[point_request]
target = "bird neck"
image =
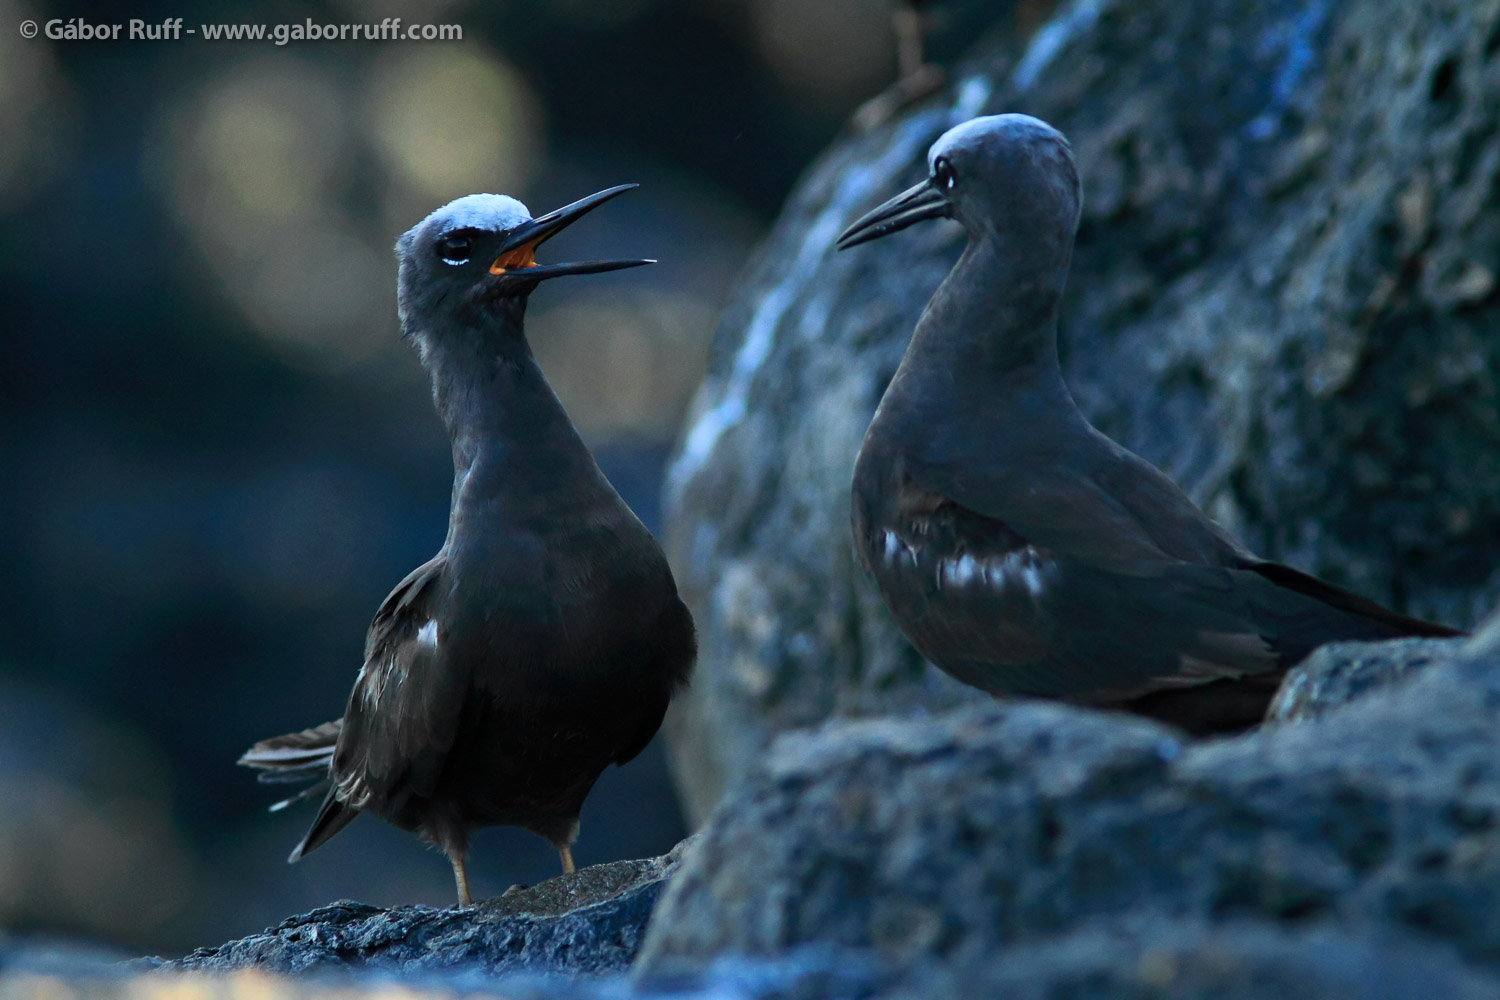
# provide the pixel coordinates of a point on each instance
(981, 371)
(995, 316)
(489, 391)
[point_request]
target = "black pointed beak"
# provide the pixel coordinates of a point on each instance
(517, 256)
(921, 201)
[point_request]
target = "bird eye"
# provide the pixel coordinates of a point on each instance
(454, 249)
(943, 173)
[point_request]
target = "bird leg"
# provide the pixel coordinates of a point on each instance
(565, 851)
(461, 879)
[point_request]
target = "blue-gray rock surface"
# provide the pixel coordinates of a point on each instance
(1341, 672)
(1040, 845)
(590, 922)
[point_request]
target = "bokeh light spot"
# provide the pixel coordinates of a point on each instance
(36, 110)
(268, 137)
(830, 51)
(451, 121)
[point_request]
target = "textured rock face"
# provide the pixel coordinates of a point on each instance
(1342, 671)
(1284, 294)
(1043, 846)
(1175, 959)
(1183, 962)
(589, 922)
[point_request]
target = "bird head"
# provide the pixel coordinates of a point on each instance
(997, 175)
(477, 255)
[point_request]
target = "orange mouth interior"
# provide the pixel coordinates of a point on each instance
(522, 256)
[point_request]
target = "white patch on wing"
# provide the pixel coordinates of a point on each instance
(1021, 568)
(427, 635)
(994, 572)
(896, 549)
(960, 572)
(892, 546)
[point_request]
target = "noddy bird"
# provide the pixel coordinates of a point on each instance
(544, 640)
(1021, 550)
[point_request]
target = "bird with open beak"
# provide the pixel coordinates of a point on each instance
(545, 639)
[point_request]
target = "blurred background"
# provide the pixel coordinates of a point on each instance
(218, 457)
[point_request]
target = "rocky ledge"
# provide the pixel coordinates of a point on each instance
(1023, 849)
(590, 922)
(1037, 850)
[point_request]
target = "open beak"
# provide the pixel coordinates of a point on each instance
(921, 201)
(518, 254)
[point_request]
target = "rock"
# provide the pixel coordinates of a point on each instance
(1282, 294)
(1025, 837)
(1185, 962)
(53, 957)
(1179, 959)
(1340, 672)
(589, 922)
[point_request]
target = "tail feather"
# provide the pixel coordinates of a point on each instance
(1380, 622)
(306, 793)
(288, 776)
(315, 739)
(295, 757)
(332, 817)
(302, 756)
(255, 757)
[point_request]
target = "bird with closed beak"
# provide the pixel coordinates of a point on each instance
(1021, 550)
(545, 639)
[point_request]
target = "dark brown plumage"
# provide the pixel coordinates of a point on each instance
(1021, 550)
(545, 639)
